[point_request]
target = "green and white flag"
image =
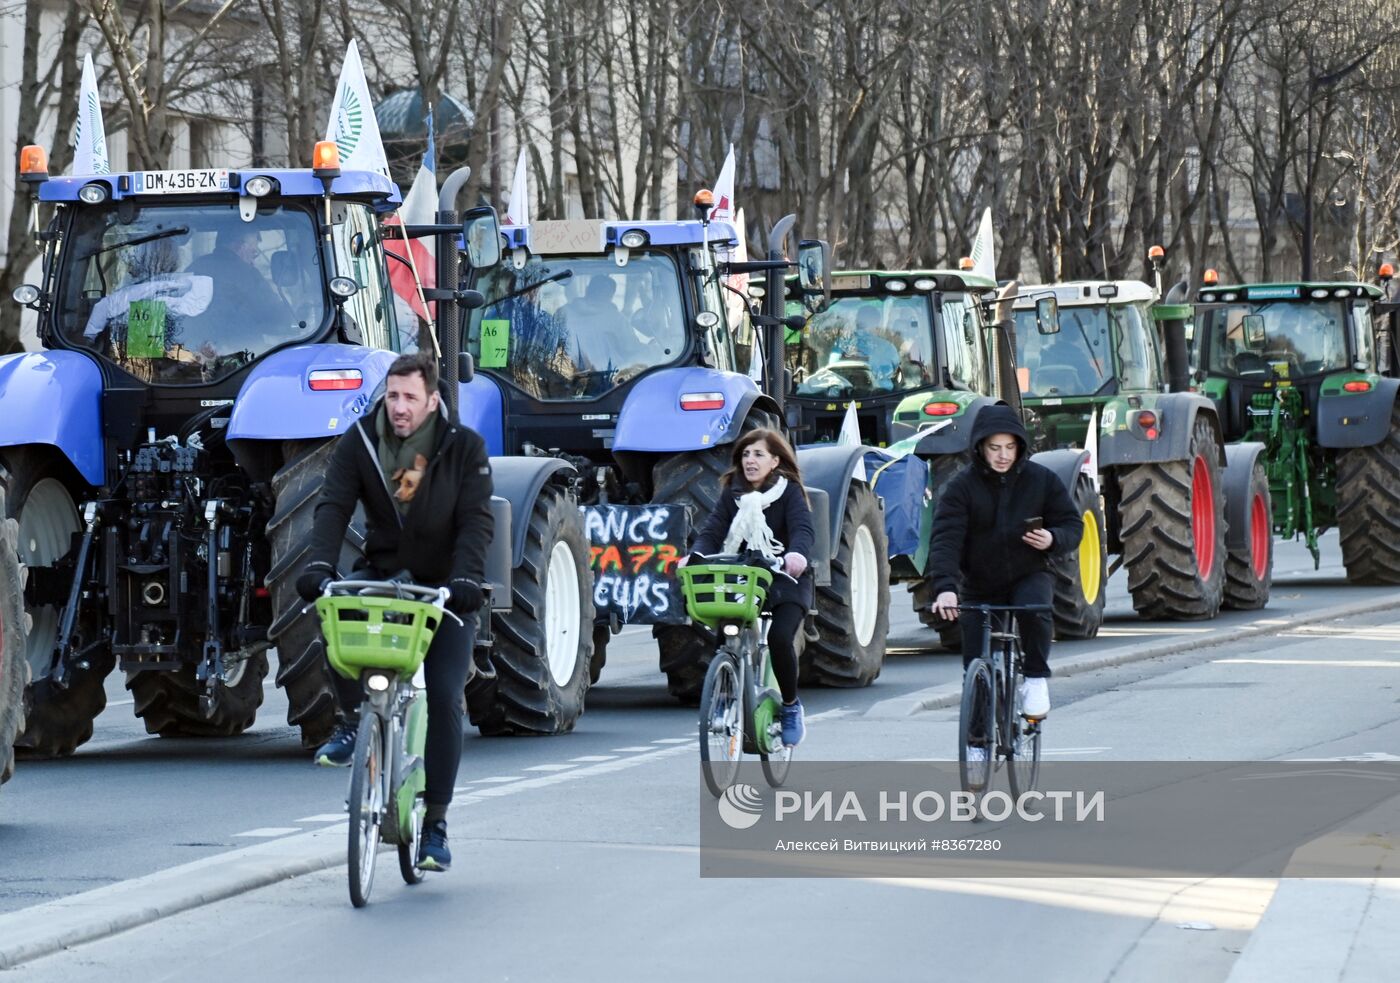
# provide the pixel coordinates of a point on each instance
(984, 261)
(90, 139)
(353, 126)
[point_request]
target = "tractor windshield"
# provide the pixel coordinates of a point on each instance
(189, 293)
(867, 346)
(576, 327)
(1075, 362)
(1288, 339)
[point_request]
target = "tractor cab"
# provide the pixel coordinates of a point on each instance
(886, 340)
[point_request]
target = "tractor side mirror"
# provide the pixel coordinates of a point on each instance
(814, 274)
(466, 367)
(481, 237)
(1047, 316)
(1254, 330)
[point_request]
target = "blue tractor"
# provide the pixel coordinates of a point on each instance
(207, 335)
(607, 348)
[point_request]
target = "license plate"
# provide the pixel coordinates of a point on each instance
(205, 181)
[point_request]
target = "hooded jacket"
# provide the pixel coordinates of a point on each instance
(981, 517)
(448, 527)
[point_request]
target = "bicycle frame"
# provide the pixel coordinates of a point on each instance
(1006, 731)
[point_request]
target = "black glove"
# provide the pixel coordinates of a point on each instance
(466, 596)
(313, 580)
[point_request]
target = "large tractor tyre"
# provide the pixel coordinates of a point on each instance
(853, 611)
(14, 667)
(1081, 575)
(1368, 508)
(692, 479)
(1173, 531)
(301, 654)
(1249, 571)
(57, 718)
(941, 471)
(544, 643)
(169, 703)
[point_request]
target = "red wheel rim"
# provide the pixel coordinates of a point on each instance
(1203, 516)
(1259, 535)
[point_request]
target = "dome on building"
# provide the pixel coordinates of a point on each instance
(401, 117)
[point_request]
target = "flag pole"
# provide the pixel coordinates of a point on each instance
(413, 264)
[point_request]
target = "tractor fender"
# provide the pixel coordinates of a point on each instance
(518, 480)
(954, 436)
(653, 421)
(1356, 419)
(481, 407)
(498, 556)
(830, 468)
(55, 398)
(1123, 442)
(278, 403)
(1239, 469)
(1067, 465)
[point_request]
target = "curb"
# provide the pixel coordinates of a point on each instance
(950, 694)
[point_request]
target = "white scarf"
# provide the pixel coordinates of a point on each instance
(749, 525)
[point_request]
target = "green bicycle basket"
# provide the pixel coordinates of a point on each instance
(376, 632)
(716, 592)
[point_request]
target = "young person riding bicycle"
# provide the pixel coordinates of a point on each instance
(1000, 520)
(425, 484)
(762, 507)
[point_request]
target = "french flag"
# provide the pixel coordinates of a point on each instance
(419, 208)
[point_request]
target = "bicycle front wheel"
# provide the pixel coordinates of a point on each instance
(976, 727)
(721, 723)
(776, 764)
(1023, 762)
(408, 852)
(366, 804)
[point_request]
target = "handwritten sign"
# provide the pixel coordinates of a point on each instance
(495, 343)
(633, 551)
(145, 329)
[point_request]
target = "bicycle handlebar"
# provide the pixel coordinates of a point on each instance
(748, 558)
(1014, 608)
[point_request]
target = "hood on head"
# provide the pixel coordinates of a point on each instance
(998, 418)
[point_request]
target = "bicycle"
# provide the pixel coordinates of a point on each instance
(738, 713)
(989, 693)
(378, 631)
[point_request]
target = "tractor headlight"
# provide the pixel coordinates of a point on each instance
(93, 194)
(258, 186)
(635, 239)
(344, 287)
(26, 294)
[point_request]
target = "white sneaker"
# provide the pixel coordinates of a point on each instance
(1034, 697)
(976, 755)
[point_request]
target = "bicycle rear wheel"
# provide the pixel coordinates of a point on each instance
(721, 723)
(366, 803)
(976, 727)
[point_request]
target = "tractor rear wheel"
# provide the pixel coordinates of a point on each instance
(14, 667)
(1081, 576)
(302, 670)
(1249, 571)
(58, 717)
(1368, 508)
(1173, 531)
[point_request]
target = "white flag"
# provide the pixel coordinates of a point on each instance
(723, 210)
(1091, 444)
(518, 211)
(984, 261)
(352, 125)
(850, 428)
(90, 153)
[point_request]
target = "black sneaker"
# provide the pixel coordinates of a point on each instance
(339, 751)
(432, 849)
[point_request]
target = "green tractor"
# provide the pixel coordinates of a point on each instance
(1310, 370)
(1166, 498)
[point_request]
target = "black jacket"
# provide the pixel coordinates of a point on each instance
(789, 519)
(448, 526)
(981, 517)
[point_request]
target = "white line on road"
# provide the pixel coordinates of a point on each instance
(594, 757)
(1330, 663)
(495, 780)
(548, 768)
(629, 750)
(1075, 750)
(267, 832)
(673, 740)
(325, 817)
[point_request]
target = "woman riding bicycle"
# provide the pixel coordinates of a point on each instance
(762, 507)
(999, 521)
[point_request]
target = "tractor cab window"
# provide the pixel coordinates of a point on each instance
(1365, 335)
(190, 293)
(1277, 338)
(373, 307)
(1140, 365)
(576, 327)
(867, 346)
(964, 340)
(1076, 361)
(719, 340)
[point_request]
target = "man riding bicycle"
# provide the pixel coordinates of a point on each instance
(999, 521)
(425, 484)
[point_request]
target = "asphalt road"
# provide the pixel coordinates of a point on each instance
(577, 855)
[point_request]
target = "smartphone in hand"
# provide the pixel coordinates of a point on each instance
(1035, 522)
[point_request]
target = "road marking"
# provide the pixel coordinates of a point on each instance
(325, 817)
(629, 750)
(1329, 663)
(1131, 632)
(496, 779)
(673, 740)
(548, 768)
(1074, 750)
(594, 757)
(267, 832)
